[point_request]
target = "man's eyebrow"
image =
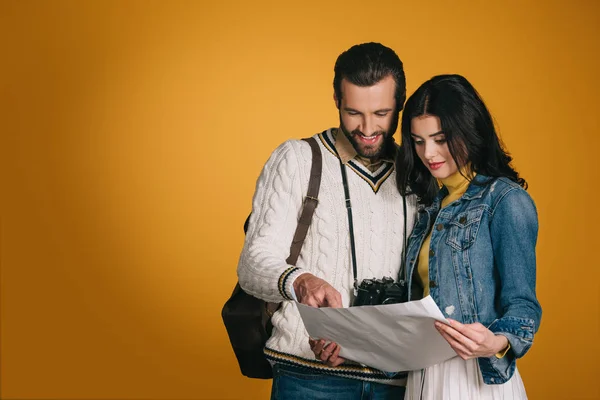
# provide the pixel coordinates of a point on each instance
(383, 110)
(430, 135)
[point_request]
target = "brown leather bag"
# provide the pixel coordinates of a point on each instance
(248, 319)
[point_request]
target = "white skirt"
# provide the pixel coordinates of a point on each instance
(458, 379)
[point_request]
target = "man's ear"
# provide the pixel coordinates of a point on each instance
(336, 101)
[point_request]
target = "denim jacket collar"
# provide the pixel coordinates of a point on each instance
(474, 191)
(476, 187)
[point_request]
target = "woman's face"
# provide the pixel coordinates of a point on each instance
(430, 144)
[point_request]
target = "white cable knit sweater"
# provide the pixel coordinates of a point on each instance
(378, 229)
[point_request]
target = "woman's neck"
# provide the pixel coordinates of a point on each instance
(458, 181)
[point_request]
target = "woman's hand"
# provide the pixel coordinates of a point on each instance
(471, 340)
(329, 353)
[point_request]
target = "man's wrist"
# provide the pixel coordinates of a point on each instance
(295, 283)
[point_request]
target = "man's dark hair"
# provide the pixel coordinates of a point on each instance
(365, 65)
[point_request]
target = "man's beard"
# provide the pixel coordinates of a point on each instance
(385, 147)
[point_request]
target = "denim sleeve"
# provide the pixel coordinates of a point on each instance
(514, 229)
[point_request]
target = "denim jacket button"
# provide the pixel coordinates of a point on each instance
(439, 227)
(432, 284)
(431, 253)
(462, 220)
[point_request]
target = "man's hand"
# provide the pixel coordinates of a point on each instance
(471, 340)
(328, 353)
(316, 292)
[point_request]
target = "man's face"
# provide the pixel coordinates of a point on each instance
(368, 116)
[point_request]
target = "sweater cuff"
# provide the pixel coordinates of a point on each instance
(286, 282)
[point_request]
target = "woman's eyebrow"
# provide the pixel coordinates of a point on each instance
(430, 135)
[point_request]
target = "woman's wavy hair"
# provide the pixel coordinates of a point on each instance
(469, 131)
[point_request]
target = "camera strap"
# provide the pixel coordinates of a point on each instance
(350, 224)
(403, 270)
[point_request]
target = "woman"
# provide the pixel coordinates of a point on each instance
(473, 246)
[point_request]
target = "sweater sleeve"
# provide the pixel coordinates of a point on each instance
(262, 269)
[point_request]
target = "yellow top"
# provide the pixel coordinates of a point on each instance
(457, 185)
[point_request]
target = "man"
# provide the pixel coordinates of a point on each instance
(369, 92)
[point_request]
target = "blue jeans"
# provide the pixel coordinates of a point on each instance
(291, 383)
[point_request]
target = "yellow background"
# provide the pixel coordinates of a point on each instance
(133, 133)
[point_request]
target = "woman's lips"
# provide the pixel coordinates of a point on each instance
(436, 165)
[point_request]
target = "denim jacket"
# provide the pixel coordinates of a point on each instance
(482, 264)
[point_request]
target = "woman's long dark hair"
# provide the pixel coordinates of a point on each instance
(469, 131)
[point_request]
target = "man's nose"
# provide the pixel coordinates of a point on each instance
(368, 127)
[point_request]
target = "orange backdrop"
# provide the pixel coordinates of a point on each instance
(133, 133)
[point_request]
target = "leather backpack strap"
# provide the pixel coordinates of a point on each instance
(310, 204)
(310, 201)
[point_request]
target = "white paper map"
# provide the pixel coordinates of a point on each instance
(391, 337)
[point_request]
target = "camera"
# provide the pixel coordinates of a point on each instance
(374, 291)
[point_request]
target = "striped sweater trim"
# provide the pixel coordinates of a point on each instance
(374, 179)
(354, 371)
(283, 281)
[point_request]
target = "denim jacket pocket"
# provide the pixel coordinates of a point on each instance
(463, 228)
